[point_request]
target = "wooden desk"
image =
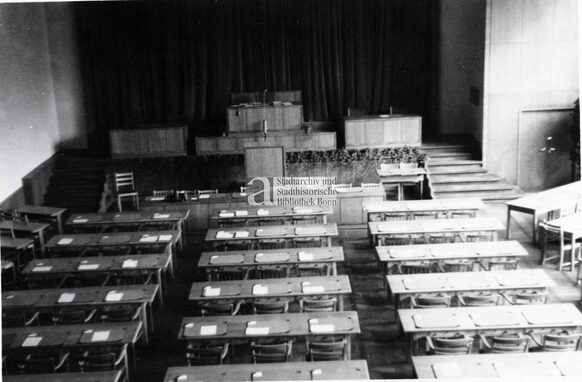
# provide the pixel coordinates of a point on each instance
(543, 202)
(287, 371)
(348, 209)
(140, 219)
(42, 300)
(289, 325)
(403, 287)
(159, 241)
(36, 230)
(92, 376)
(249, 214)
(418, 323)
(288, 232)
(210, 261)
(17, 247)
(250, 118)
(290, 287)
(438, 226)
(110, 265)
(571, 229)
(74, 337)
(442, 206)
(400, 177)
(507, 365)
(41, 212)
(371, 131)
(480, 251)
(153, 141)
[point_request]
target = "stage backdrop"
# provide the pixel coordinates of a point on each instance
(178, 61)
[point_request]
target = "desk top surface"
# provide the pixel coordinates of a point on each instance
(435, 225)
(269, 325)
(508, 365)
(424, 205)
(12, 243)
(40, 210)
(122, 294)
(127, 217)
(287, 371)
(270, 232)
(400, 172)
(271, 256)
(569, 224)
(203, 199)
(23, 226)
(92, 376)
(473, 281)
(490, 318)
(113, 238)
(127, 263)
(277, 287)
(549, 199)
(269, 211)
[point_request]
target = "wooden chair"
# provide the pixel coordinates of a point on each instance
(47, 362)
(456, 344)
(430, 301)
(304, 219)
(308, 242)
(318, 304)
(414, 267)
(220, 308)
(120, 313)
(526, 298)
(9, 278)
(230, 273)
(463, 214)
(239, 245)
(502, 264)
(272, 244)
(327, 351)
(395, 240)
(440, 238)
(272, 352)
(71, 317)
(478, 237)
(271, 221)
(15, 319)
(270, 306)
(313, 269)
(505, 343)
(461, 265)
(163, 192)
(125, 189)
(425, 215)
(558, 341)
(392, 216)
(551, 236)
(209, 354)
(207, 192)
(271, 272)
(478, 299)
(104, 359)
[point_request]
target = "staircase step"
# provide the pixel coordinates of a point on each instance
(453, 162)
(435, 148)
(471, 187)
(479, 177)
(450, 156)
(456, 170)
(500, 196)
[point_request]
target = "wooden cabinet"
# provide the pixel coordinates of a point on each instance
(148, 142)
(250, 119)
(375, 131)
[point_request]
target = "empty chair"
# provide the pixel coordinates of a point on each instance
(229, 223)
(271, 352)
(133, 278)
(125, 189)
(430, 301)
(478, 237)
(313, 269)
(463, 214)
(308, 242)
(504, 343)
(103, 359)
(425, 215)
(525, 298)
(304, 219)
(440, 238)
(219, 308)
(209, 354)
(207, 192)
(270, 306)
(551, 236)
(414, 267)
(478, 299)
(557, 341)
(239, 245)
(69, 317)
(271, 272)
(272, 244)
(230, 273)
(456, 344)
(391, 216)
(502, 264)
(163, 192)
(326, 351)
(120, 313)
(80, 281)
(13, 319)
(461, 265)
(271, 221)
(43, 362)
(9, 279)
(318, 304)
(395, 240)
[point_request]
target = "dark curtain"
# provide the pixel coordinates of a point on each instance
(178, 61)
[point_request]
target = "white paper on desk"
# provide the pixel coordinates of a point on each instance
(241, 213)
(241, 234)
(148, 239)
(114, 296)
(208, 330)
(100, 335)
(312, 288)
(66, 297)
(256, 330)
(157, 198)
(262, 212)
(31, 341)
(161, 216)
(226, 214)
(259, 289)
(316, 327)
(129, 263)
(209, 291)
(203, 196)
(42, 268)
(224, 235)
(87, 267)
(165, 238)
(447, 370)
(303, 210)
(80, 220)
(65, 241)
(304, 256)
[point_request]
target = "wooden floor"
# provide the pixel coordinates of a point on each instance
(380, 343)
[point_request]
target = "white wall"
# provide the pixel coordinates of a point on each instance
(531, 61)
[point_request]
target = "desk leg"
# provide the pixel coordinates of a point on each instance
(508, 221)
(41, 242)
(329, 241)
(334, 268)
(59, 223)
(150, 313)
(161, 284)
(400, 191)
(348, 348)
(421, 189)
(340, 303)
(535, 228)
(324, 218)
(146, 327)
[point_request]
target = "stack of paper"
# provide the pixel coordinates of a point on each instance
(241, 213)
(165, 238)
(148, 239)
(114, 296)
(306, 287)
(161, 216)
(208, 330)
(262, 212)
(225, 214)
(31, 340)
(259, 289)
(85, 266)
(100, 336)
(80, 219)
(224, 235)
(304, 256)
(40, 267)
(241, 234)
(66, 297)
(252, 329)
(209, 291)
(316, 327)
(129, 263)
(65, 241)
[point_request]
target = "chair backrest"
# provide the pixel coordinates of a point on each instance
(561, 341)
(271, 307)
(229, 274)
(272, 244)
(308, 305)
(314, 269)
(463, 214)
(304, 219)
(514, 343)
(70, 317)
(97, 362)
(453, 345)
(163, 192)
(478, 237)
(271, 272)
(503, 264)
(425, 215)
(271, 221)
(479, 299)
(371, 185)
(533, 297)
(391, 216)
(463, 265)
(274, 352)
(42, 362)
(119, 314)
(241, 245)
(441, 238)
(206, 355)
(427, 301)
(207, 192)
(124, 180)
(410, 268)
(308, 242)
(395, 240)
(327, 351)
(219, 308)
